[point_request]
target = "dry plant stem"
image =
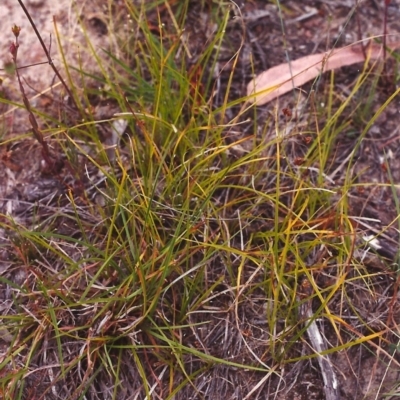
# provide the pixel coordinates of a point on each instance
(387, 2)
(35, 127)
(359, 31)
(49, 59)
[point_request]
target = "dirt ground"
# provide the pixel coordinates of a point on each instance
(311, 26)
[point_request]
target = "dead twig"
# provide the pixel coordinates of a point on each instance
(331, 386)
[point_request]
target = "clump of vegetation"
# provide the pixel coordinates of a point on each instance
(183, 242)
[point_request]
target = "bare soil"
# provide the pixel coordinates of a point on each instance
(364, 372)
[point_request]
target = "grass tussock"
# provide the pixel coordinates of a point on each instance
(180, 248)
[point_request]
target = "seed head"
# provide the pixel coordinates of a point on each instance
(16, 30)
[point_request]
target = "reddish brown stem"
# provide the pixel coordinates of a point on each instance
(385, 15)
(49, 59)
(35, 127)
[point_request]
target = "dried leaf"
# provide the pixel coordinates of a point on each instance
(282, 78)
